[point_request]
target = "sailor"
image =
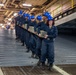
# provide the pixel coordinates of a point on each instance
(16, 20)
(27, 35)
(47, 49)
(40, 25)
(32, 41)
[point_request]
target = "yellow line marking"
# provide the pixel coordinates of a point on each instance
(60, 70)
(1, 73)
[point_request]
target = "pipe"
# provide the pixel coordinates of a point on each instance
(72, 3)
(6, 3)
(10, 13)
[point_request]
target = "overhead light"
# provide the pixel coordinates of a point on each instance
(9, 19)
(15, 14)
(29, 5)
(1, 24)
(1, 4)
(8, 23)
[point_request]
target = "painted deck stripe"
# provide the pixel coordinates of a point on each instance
(23, 71)
(1, 73)
(60, 70)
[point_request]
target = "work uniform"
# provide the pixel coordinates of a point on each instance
(39, 26)
(32, 40)
(26, 34)
(48, 45)
(16, 28)
(22, 30)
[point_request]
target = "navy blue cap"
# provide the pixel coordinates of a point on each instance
(50, 18)
(39, 17)
(24, 15)
(32, 17)
(20, 12)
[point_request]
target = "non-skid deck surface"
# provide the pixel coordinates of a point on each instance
(27, 71)
(70, 68)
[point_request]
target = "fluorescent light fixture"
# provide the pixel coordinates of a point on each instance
(1, 24)
(29, 5)
(8, 23)
(15, 14)
(9, 19)
(1, 4)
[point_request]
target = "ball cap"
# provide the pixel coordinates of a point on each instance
(32, 17)
(39, 17)
(50, 18)
(20, 12)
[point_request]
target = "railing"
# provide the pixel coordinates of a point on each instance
(64, 14)
(63, 7)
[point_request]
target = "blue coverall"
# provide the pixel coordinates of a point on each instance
(48, 45)
(16, 27)
(27, 35)
(39, 26)
(32, 40)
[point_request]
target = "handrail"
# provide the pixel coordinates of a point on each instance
(61, 6)
(67, 12)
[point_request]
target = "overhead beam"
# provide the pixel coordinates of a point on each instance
(14, 9)
(6, 3)
(10, 13)
(6, 12)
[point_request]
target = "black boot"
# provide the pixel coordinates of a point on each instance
(32, 56)
(50, 66)
(16, 38)
(39, 63)
(43, 66)
(22, 43)
(27, 50)
(36, 57)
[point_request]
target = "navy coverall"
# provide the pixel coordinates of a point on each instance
(32, 40)
(38, 27)
(48, 45)
(26, 34)
(16, 28)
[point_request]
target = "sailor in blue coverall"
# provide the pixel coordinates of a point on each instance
(17, 21)
(22, 20)
(47, 50)
(32, 40)
(24, 31)
(40, 25)
(26, 34)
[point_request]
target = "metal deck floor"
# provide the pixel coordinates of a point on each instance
(15, 61)
(13, 54)
(26, 71)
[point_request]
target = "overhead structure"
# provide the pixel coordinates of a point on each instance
(9, 7)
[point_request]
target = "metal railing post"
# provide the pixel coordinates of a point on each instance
(72, 3)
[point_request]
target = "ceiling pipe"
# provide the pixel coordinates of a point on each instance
(14, 3)
(4, 1)
(6, 4)
(50, 4)
(14, 9)
(6, 12)
(10, 13)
